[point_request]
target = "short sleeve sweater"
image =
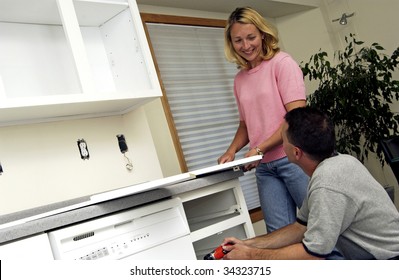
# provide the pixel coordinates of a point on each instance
(262, 93)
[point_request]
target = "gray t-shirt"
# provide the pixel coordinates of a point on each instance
(347, 208)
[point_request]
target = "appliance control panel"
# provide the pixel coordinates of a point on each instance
(122, 234)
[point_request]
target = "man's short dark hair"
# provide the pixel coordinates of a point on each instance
(312, 131)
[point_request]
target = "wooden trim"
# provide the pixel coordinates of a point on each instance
(180, 20)
(167, 19)
(256, 214)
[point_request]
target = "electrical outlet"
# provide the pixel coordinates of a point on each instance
(84, 151)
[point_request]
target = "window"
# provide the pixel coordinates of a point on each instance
(198, 88)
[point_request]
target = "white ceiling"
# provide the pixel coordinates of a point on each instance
(267, 8)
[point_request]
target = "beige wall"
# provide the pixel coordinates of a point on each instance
(42, 164)
(162, 139)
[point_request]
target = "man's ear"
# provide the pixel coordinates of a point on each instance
(298, 153)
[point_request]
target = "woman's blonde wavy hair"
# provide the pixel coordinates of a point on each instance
(247, 15)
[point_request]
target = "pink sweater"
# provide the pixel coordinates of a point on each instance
(261, 94)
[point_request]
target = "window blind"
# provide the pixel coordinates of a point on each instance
(198, 83)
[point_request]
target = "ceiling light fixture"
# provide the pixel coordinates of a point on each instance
(343, 19)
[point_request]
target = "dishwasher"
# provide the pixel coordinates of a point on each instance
(157, 231)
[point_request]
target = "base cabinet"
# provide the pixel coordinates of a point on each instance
(216, 212)
(209, 214)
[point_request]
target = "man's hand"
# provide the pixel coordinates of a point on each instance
(236, 249)
(239, 251)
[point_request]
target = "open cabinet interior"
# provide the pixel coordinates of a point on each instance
(214, 213)
(54, 53)
(205, 246)
(211, 209)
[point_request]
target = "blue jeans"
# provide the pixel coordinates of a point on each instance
(282, 187)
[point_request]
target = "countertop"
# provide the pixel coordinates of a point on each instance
(37, 226)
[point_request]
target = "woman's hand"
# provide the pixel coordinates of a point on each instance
(226, 157)
(252, 165)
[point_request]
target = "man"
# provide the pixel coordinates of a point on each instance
(345, 208)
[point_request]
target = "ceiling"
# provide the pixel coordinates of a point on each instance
(267, 8)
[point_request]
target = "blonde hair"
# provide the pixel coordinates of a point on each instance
(269, 33)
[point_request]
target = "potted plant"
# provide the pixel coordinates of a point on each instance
(356, 92)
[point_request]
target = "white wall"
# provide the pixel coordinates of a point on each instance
(42, 163)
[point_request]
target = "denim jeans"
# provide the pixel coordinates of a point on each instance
(282, 187)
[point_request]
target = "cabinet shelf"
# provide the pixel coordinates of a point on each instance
(216, 228)
(89, 13)
(33, 110)
(72, 59)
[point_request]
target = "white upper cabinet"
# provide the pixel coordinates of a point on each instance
(62, 59)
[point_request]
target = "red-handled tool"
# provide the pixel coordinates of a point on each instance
(216, 254)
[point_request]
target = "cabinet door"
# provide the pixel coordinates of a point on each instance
(72, 58)
(34, 248)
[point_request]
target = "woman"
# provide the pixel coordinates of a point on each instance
(269, 84)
